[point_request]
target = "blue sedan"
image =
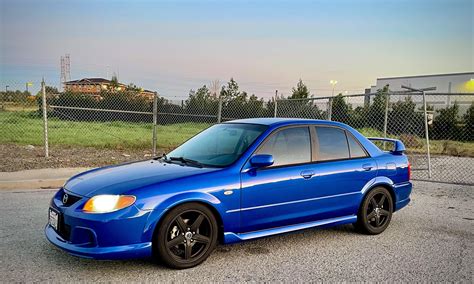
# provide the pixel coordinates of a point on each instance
(235, 181)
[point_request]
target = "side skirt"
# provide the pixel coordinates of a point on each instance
(230, 237)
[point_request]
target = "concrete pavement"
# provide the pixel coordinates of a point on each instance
(431, 240)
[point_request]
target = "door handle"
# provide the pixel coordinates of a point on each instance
(367, 167)
(307, 174)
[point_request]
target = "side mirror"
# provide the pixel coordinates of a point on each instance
(261, 161)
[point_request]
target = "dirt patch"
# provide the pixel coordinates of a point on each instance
(21, 157)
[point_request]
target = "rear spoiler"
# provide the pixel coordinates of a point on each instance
(398, 148)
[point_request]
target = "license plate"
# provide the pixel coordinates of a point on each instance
(53, 218)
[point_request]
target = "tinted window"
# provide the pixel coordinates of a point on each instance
(356, 149)
(332, 144)
(219, 145)
(288, 146)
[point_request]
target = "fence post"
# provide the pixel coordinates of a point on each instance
(155, 120)
(385, 121)
(45, 119)
(219, 110)
(426, 134)
(330, 108)
(276, 104)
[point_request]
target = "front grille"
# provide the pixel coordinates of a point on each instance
(71, 199)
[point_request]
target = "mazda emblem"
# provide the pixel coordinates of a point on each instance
(65, 197)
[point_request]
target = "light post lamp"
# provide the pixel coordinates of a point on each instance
(28, 84)
(333, 83)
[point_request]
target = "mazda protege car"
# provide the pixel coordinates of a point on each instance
(235, 181)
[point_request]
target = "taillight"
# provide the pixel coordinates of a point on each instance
(409, 171)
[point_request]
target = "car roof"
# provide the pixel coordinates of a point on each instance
(278, 121)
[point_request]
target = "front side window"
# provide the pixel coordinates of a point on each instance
(288, 146)
(219, 145)
(332, 144)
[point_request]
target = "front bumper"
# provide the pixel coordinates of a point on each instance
(139, 250)
(116, 235)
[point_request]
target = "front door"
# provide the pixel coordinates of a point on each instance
(272, 196)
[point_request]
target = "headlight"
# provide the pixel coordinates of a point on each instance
(108, 203)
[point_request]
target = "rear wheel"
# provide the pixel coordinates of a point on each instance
(375, 212)
(186, 236)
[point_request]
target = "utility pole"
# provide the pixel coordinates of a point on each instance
(422, 91)
(276, 99)
(45, 119)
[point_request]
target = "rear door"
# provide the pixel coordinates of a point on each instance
(342, 169)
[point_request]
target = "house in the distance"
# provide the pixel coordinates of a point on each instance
(94, 86)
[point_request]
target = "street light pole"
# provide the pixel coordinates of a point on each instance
(423, 90)
(333, 83)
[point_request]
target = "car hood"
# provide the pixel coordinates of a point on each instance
(125, 177)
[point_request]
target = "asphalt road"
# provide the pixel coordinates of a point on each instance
(432, 240)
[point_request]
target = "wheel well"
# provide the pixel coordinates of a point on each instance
(216, 214)
(387, 187)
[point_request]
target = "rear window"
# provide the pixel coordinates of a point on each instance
(356, 149)
(332, 144)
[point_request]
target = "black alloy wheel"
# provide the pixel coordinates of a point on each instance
(375, 212)
(186, 236)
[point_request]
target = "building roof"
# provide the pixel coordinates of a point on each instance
(90, 81)
(423, 76)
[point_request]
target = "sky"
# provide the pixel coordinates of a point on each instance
(175, 46)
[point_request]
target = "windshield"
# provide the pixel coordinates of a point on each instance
(219, 145)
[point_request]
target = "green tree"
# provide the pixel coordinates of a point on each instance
(376, 112)
(341, 111)
(445, 123)
(201, 102)
(300, 91)
(468, 119)
(403, 118)
(231, 91)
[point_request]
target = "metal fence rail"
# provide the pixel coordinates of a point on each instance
(130, 119)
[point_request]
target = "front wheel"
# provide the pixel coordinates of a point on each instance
(186, 236)
(375, 212)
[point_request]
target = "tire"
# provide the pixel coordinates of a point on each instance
(186, 236)
(375, 212)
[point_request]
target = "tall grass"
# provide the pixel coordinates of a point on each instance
(23, 127)
(27, 128)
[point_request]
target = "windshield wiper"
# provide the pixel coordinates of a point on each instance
(187, 161)
(163, 158)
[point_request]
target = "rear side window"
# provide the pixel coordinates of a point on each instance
(356, 149)
(288, 146)
(332, 144)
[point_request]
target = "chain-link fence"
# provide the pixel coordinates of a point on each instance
(401, 115)
(123, 117)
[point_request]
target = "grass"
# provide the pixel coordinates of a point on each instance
(26, 127)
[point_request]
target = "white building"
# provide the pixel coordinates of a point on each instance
(444, 83)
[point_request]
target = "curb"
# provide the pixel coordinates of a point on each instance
(29, 184)
(37, 179)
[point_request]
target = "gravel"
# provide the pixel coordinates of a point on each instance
(430, 240)
(23, 157)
